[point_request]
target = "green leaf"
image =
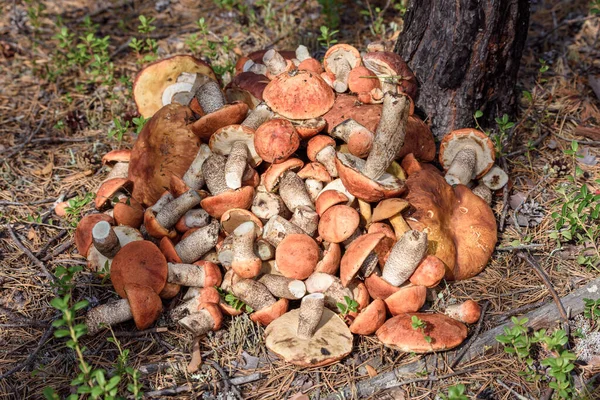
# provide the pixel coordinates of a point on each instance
(478, 114)
(61, 333)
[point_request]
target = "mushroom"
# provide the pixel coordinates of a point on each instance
(429, 272)
(361, 82)
(369, 319)
(207, 317)
(276, 64)
(339, 60)
(266, 205)
(408, 299)
(360, 256)
(194, 218)
(198, 274)
(270, 178)
(193, 177)
(358, 138)
(495, 178)
(193, 246)
(467, 312)
(107, 241)
(314, 175)
(278, 228)
(163, 222)
(391, 210)
(256, 295)
(394, 74)
(283, 287)
(405, 257)
(297, 256)
(307, 219)
(309, 336)
(466, 154)
(83, 232)
(244, 262)
(440, 333)
(247, 87)
(321, 148)
(276, 140)
(338, 223)
(330, 286)
(328, 199)
(128, 211)
(484, 192)
(293, 192)
(264, 250)
(111, 189)
(307, 63)
(330, 261)
(234, 217)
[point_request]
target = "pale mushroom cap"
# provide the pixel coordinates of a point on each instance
(331, 341)
(456, 140)
(388, 208)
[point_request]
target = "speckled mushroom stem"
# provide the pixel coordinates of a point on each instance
(389, 136)
(261, 114)
(210, 97)
(253, 293)
(189, 306)
(266, 205)
(462, 168)
(282, 287)
(369, 264)
(198, 323)
(405, 257)
(306, 219)
(327, 158)
(198, 243)
(225, 252)
(342, 70)
(236, 165)
(313, 187)
(331, 287)
(484, 192)
(293, 192)
(277, 228)
(213, 171)
(264, 249)
(274, 62)
(311, 310)
(105, 239)
(302, 53)
(108, 314)
(193, 176)
(186, 274)
(170, 213)
(343, 130)
(163, 200)
(244, 262)
(195, 218)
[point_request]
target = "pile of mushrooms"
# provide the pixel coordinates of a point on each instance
(300, 186)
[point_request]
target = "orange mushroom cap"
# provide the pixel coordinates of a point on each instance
(297, 256)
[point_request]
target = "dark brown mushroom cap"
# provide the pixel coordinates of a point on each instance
(445, 333)
(138, 262)
(247, 87)
(369, 319)
(356, 254)
(390, 63)
(145, 304)
(331, 341)
(151, 81)
(83, 233)
(216, 206)
(461, 227)
(166, 146)
(276, 140)
(257, 56)
(299, 95)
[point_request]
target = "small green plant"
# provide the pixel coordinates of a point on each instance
(498, 138)
(330, 9)
(418, 324)
(139, 123)
(591, 310)
(560, 368)
(377, 25)
(350, 306)
(76, 206)
(145, 48)
(118, 130)
(233, 301)
(595, 7)
(455, 392)
(327, 37)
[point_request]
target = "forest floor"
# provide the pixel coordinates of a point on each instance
(60, 110)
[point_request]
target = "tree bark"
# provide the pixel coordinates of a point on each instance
(466, 55)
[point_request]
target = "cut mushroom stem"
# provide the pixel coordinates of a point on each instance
(358, 138)
(302, 53)
(108, 314)
(244, 262)
(405, 257)
(105, 239)
(266, 205)
(274, 62)
(327, 158)
(399, 224)
(236, 165)
(210, 97)
(194, 218)
(186, 274)
(389, 135)
(462, 168)
(213, 171)
(261, 114)
(342, 71)
(170, 213)
(198, 323)
(293, 192)
(311, 310)
(264, 249)
(277, 228)
(495, 178)
(484, 192)
(253, 293)
(193, 176)
(282, 287)
(198, 243)
(307, 219)
(259, 69)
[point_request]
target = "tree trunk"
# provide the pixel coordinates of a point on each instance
(465, 54)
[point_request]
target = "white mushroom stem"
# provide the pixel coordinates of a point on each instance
(253, 293)
(213, 171)
(225, 252)
(170, 213)
(302, 53)
(186, 274)
(327, 157)
(236, 165)
(342, 70)
(277, 228)
(193, 176)
(306, 219)
(165, 199)
(264, 250)
(210, 97)
(330, 286)
(405, 257)
(266, 205)
(247, 66)
(261, 114)
(313, 187)
(196, 218)
(274, 62)
(389, 135)
(311, 310)
(345, 129)
(484, 192)
(198, 323)
(190, 305)
(229, 279)
(495, 178)
(198, 243)
(293, 192)
(105, 239)
(243, 243)
(282, 287)
(462, 168)
(109, 314)
(259, 69)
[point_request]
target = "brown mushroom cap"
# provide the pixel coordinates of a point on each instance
(429, 273)
(229, 114)
(268, 314)
(217, 205)
(378, 288)
(350, 54)
(331, 341)
(297, 256)
(128, 211)
(338, 223)
(151, 81)
(388, 208)
(139, 262)
(270, 178)
(407, 299)
(299, 95)
(356, 254)
(455, 141)
(83, 233)
(276, 140)
(145, 304)
(330, 262)
(114, 156)
(359, 80)
(165, 146)
(308, 128)
(247, 87)
(389, 63)
(315, 170)
(467, 312)
(328, 199)
(311, 64)
(445, 333)
(369, 319)
(316, 144)
(108, 189)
